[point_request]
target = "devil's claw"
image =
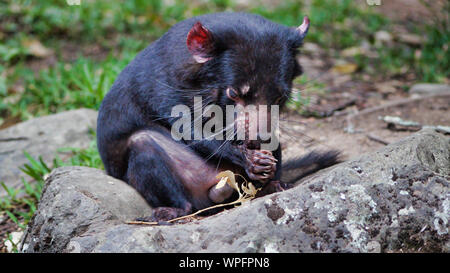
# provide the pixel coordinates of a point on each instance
(260, 165)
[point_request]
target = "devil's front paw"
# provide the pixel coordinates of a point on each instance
(272, 187)
(163, 214)
(260, 165)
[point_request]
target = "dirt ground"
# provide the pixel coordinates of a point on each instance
(357, 132)
(354, 103)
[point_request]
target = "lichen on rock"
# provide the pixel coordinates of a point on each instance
(392, 200)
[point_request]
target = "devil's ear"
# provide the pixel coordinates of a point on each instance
(300, 32)
(200, 43)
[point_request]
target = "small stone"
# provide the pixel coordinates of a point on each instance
(311, 47)
(411, 39)
(15, 240)
(373, 247)
(429, 89)
(383, 36)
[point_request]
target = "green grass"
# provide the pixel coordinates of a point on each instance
(88, 157)
(123, 28)
(20, 203)
(434, 63)
(300, 98)
(428, 62)
(92, 20)
(338, 24)
(66, 86)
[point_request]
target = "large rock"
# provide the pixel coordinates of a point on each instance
(42, 137)
(77, 201)
(393, 200)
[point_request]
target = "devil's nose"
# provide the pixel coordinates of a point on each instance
(253, 144)
(256, 143)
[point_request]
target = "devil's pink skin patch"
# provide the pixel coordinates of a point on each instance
(303, 28)
(200, 43)
(245, 88)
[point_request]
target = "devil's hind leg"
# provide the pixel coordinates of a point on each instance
(150, 173)
(168, 174)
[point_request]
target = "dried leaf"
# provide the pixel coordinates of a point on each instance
(225, 177)
(252, 189)
(386, 87)
(222, 182)
(231, 180)
(249, 189)
(352, 51)
(346, 68)
(245, 189)
(36, 49)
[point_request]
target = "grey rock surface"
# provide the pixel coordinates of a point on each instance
(78, 201)
(42, 136)
(392, 200)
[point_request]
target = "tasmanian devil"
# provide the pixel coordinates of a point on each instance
(226, 59)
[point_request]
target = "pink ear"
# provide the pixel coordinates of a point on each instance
(303, 28)
(200, 43)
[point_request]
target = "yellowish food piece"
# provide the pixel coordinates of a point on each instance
(231, 180)
(222, 182)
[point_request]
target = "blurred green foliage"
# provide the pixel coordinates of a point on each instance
(20, 203)
(123, 28)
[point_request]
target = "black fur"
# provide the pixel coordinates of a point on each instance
(247, 49)
(297, 168)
